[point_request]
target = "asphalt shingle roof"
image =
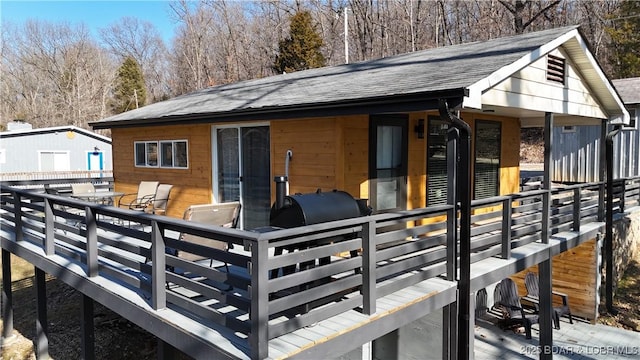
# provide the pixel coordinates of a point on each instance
(629, 90)
(420, 72)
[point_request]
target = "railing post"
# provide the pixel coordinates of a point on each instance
(158, 268)
(17, 212)
(576, 208)
(259, 290)
(7, 296)
(92, 242)
(369, 267)
(506, 228)
(49, 230)
(623, 194)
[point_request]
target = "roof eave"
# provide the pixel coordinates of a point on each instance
(398, 103)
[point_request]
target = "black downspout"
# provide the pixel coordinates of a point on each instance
(464, 196)
(608, 239)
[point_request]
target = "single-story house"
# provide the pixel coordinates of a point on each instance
(577, 148)
(371, 128)
(54, 149)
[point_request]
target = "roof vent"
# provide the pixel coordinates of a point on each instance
(555, 69)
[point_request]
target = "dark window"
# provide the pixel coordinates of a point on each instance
(555, 69)
(487, 159)
(436, 161)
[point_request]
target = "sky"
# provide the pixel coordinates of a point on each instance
(95, 14)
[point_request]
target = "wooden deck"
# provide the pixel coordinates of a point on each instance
(395, 268)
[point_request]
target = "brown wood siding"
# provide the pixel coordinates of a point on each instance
(315, 146)
(328, 153)
(574, 273)
(190, 186)
(356, 155)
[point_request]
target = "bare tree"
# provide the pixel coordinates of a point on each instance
(54, 74)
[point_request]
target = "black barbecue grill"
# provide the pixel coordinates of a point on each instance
(291, 211)
(314, 208)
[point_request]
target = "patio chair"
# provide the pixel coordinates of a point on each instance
(161, 200)
(533, 296)
(142, 199)
(506, 299)
(83, 188)
(225, 215)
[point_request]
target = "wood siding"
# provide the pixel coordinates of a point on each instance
(575, 273)
(328, 153)
(190, 186)
(530, 89)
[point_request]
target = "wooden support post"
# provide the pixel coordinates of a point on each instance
(42, 330)
(7, 296)
(259, 290)
(92, 242)
(87, 329)
(544, 268)
(158, 269)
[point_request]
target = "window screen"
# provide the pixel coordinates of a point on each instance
(436, 161)
(487, 159)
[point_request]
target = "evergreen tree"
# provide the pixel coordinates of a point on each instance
(301, 50)
(130, 91)
(625, 38)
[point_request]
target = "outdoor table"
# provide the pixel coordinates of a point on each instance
(102, 197)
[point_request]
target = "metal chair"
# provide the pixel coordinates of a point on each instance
(84, 188)
(161, 200)
(506, 299)
(225, 215)
(533, 296)
(142, 199)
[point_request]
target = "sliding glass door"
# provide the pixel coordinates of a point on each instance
(242, 171)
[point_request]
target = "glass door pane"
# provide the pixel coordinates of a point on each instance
(228, 165)
(388, 162)
(243, 172)
(255, 177)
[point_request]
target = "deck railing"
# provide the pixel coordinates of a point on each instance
(323, 270)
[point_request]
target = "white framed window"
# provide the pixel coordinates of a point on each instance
(163, 154)
(54, 160)
(569, 129)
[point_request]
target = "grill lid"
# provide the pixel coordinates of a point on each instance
(314, 208)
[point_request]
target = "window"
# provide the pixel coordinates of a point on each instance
(555, 69)
(436, 161)
(569, 129)
(54, 161)
(487, 159)
(171, 153)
